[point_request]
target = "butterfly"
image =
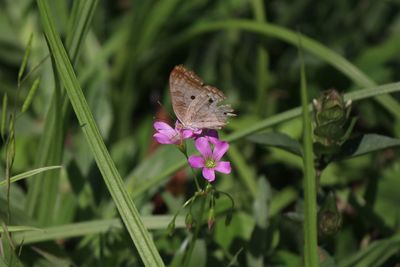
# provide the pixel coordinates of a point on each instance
(196, 104)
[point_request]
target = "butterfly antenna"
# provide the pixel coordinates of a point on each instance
(166, 111)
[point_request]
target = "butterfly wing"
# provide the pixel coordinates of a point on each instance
(184, 86)
(204, 111)
(194, 103)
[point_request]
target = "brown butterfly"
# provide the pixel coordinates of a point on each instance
(196, 104)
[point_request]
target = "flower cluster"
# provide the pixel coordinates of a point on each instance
(207, 143)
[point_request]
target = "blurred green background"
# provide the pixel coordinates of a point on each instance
(123, 63)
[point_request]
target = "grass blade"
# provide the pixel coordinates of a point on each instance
(19, 228)
(262, 72)
(265, 124)
(4, 116)
(115, 185)
(25, 59)
(29, 174)
(51, 149)
(309, 44)
(30, 96)
(159, 222)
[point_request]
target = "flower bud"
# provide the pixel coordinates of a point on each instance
(331, 116)
(329, 218)
(171, 227)
(189, 221)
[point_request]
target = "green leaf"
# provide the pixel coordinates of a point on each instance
(375, 254)
(79, 23)
(295, 112)
(20, 228)
(25, 59)
(90, 228)
(130, 215)
(52, 259)
(281, 200)
(4, 116)
(279, 140)
(264, 124)
(291, 37)
(365, 144)
(246, 173)
(8, 249)
(50, 152)
(387, 197)
(30, 96)
(29, 174)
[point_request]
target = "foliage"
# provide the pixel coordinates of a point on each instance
(81, 83)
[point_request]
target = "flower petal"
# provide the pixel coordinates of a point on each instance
(196, 161)
(224, 167)
(209, 174)
(204, 147)
(220, 149)
(197, 131)
(163, 139)
(162, 126)
(165, 129)
(213, 140)
(187, 134)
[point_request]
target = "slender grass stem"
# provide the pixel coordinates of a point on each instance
(309, 177)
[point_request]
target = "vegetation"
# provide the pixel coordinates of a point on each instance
(312, 182)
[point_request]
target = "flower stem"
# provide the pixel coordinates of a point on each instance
(196, 181)
(188, 256)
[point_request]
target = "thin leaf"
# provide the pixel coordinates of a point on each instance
(25, 59)
(4, 116)
(309, 44)
(365, 144)
(79, 23)
(375, 254)
(41, 206)
(246, 173)
(29, 174)
(8, 249)
(54, 260)
(295, 112)
(262, 72)
(66, 231)
(20, 228)
(279, 140)
(130, 215)
(262, 125)
(30, 95)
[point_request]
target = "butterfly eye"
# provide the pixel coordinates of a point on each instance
(192, 97)
(210, 100)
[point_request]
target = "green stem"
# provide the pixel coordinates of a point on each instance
(229, 196)
(182, 148)
(309, 177)
(189, 253)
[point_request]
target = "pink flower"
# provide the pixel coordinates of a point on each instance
(210, 159)
(167, 135)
